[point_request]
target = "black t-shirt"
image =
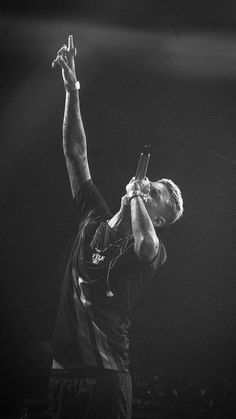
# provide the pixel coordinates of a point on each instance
(103, 282)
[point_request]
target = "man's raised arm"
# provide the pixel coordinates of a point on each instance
(74, 139)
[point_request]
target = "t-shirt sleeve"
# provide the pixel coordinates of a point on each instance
(160, 258)
(88, 199)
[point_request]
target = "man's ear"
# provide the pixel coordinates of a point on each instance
(159, 221)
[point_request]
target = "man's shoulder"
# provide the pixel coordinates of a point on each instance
(140, 264)
(89, 198)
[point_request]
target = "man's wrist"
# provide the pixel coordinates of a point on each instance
(136, 194)
(72, 86)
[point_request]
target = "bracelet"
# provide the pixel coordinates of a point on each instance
(142, 195)
(71, 86)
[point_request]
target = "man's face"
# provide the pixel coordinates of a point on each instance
(156, 206)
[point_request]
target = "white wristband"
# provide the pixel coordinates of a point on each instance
(71, 86)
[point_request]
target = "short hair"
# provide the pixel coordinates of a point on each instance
(175, 204)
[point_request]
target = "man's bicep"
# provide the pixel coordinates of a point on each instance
(147, 248)
(78, 174)
(160, 257)
(88, 198)
(157, 259)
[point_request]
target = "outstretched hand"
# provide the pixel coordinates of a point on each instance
(66, 59)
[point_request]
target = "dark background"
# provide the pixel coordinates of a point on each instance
(153, 72)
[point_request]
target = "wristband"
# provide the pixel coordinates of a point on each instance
(142, 195)
(71, 86)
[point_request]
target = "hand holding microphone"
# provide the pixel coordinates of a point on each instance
(140, 185)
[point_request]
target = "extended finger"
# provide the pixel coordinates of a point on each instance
(71, 49)
(70, 42)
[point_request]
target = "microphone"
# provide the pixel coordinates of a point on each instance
(143, 163)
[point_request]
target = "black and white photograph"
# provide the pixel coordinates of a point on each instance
(117, 185)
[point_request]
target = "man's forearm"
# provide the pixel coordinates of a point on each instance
(74, 139)
(145, 238)
(74, 143)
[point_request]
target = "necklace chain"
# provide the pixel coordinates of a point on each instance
(98, 254)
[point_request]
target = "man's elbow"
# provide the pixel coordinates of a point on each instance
(75, 152)
(147, 248)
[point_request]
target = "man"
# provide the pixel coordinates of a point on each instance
(113, 260)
